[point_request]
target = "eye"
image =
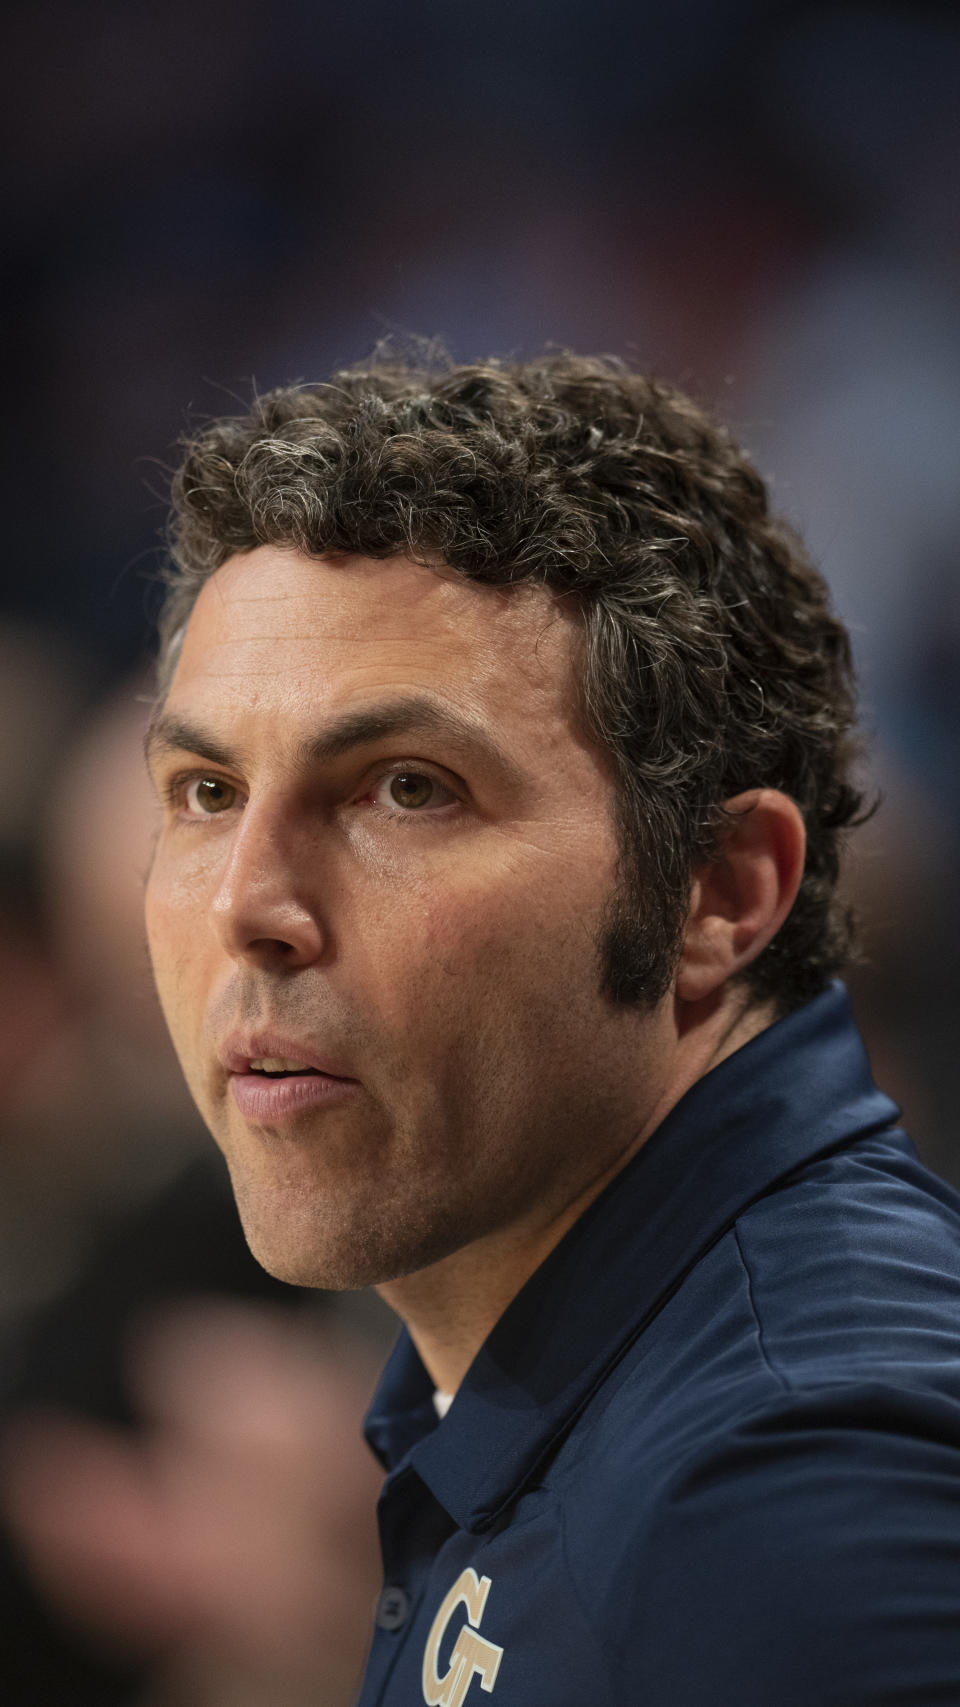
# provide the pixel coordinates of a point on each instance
(412, 791)
(207, 795)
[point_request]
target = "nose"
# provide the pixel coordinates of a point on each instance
(263, 910)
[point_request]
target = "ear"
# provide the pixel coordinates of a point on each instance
(739, 900)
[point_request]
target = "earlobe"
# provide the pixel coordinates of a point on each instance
(739, 900)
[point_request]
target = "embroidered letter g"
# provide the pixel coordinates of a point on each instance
(472, 1654)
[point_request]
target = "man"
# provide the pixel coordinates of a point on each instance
(504, 750)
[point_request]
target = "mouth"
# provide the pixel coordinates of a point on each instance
(272, 1080)
(267, 1096)
(275, 1067)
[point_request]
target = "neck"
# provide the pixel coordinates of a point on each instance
(451, 1307)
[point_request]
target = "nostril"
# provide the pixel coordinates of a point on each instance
(272, 948)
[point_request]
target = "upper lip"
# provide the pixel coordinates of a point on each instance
(240, 1048)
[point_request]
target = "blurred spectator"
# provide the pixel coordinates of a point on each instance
(99, 1118)
(42, 688)
(232, 1550)
(117, 1209)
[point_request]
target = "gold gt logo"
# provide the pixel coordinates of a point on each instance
(472, 1656)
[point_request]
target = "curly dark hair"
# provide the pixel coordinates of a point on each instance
(712, 660)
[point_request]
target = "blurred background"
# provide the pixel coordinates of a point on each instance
(756, 200)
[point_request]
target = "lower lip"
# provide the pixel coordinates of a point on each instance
(266, 1101)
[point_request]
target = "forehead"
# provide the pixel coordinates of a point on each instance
(275, 630)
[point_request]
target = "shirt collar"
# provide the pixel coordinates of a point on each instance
(798, 1089)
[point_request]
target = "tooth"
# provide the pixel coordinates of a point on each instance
(277, 1064)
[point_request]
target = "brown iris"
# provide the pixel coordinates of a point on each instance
(411, 788)
(211, 795)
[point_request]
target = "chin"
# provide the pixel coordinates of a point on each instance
(341, 1271)
(303, 1244)
(332, 1265)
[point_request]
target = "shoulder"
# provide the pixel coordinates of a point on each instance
(809, 1552)
(853, 1269)
(764, 1502)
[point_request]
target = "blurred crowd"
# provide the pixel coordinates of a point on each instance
(757, 201)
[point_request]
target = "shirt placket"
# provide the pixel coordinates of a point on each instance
(413, 1528)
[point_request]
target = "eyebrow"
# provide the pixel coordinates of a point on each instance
(412, 714)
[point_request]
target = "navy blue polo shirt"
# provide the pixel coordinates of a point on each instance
(710, 1455)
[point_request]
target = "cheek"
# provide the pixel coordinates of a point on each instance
(179, 890)
(521, 918)
(164, 923)
(476, 952)
(182, 981)
(176, 945)
(157, 920)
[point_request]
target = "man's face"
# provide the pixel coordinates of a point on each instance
(385, 856)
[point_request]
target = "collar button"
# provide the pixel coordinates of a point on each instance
(393, 1609)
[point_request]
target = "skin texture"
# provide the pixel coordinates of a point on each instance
(443, 954)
